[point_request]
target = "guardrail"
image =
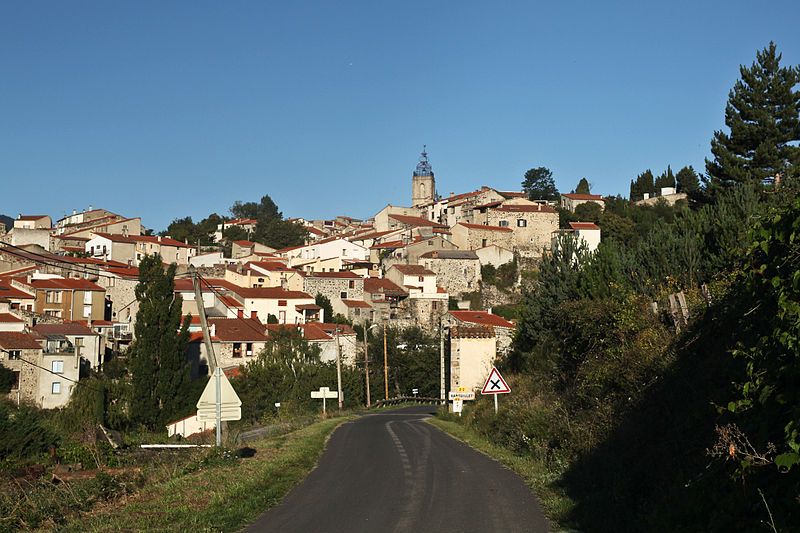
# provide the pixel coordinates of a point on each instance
(409, 399)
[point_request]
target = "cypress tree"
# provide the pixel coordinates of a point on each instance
(687, 180)
(583, 187)
(157, 360)
(763, 116)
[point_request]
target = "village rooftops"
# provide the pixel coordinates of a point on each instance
(384, 286)
(483, 227)
(483, 318)
(238, 329)
(472, 332)
(8, 318)
(31, 217)
(342, 274)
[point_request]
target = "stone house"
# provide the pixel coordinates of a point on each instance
(532, 224)
(456, 271)
(336, 286)
(422, 246)
(473, 352)
(570, 201)
(108, 247)
(259, 274)
(474, 236)
(236, 341)
(504, 330)
(426, 302)
(170, 250)
(43, 377)
(385, 297)
(383, 222)
(241, 249)
(329, 338)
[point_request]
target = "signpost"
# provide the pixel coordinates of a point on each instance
(462, 395)
(458, 405)
(495, 384)
(324, 393)
(219, 402)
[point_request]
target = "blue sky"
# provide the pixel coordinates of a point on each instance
(168, 109)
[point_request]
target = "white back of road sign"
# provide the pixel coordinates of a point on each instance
(495, 384)
(209, 397)
(324, 392)
(458, 405)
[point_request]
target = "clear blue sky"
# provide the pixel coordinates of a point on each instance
(168, 109)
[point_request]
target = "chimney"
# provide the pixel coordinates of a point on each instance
(240, 313)
(254, 315)
(212, 330)
(538, 207)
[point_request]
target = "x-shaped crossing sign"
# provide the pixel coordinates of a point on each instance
(495, 384)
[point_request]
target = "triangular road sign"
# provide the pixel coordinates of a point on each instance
(209, 397)
(495, 384)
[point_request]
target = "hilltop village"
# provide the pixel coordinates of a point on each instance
(67, 290)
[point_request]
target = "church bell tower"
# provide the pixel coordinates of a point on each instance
(423, 184)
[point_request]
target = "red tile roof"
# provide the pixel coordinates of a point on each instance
(244, 244)
(583, 225)
(538, 208)
(67, 328)
(481, 317)
(7, 291)
(8, 317)
(415, 221)
(343, 274)
(16, 340)
(413, 270)
(575, 196)
(355, 303)
(31, 217)
(383, 285)
(65, 284)
(238, 329)
(483, 227)
(390, 244)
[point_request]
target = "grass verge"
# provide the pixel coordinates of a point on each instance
(223, 495)
(537, 475)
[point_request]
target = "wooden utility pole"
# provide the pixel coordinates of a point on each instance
(441, 360)
(385, 366)
(201, 311)
(366, 362)
(339, 368)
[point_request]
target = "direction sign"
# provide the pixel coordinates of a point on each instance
(324, 393)
(463, 395)
(495, 384)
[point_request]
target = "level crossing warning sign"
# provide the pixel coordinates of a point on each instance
(495, 384)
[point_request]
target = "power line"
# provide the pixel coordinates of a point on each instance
(62, 376)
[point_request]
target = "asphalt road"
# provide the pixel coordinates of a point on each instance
(393, 472)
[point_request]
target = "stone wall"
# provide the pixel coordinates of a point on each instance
(426, 313)
(535, 235)
(28, 379)
(455, 275)
(332, 288)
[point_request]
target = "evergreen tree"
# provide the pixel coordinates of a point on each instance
(325, 303)
(763, 116)
(539, 184)
(583, 187)
(644, 184)
(157, 359)
(634, 194)
(687, 180)
(666, 179)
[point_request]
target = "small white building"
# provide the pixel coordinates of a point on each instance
(588, 233)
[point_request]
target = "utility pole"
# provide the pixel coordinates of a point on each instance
(212, 359)
(441, 359)
(366, 362)
(385, 366)
(339, 368)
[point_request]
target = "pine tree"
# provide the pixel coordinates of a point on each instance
(687, 180)
(157, 359)
(538, 183)
(763, 116)
(583, 187)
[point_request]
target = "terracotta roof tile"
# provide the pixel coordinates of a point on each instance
(413, 270)
(482, 227)
(481, 317)
(16, 340)
(575, 196)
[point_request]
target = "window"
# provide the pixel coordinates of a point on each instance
(57, 367)
(15, 380)
(78, 341)
(430, 242)
(434, 306)
(343, 295)
(281, 303)
(87, 297)
(421, 279)
(344, 252)
(522, 223)
(249, 349)
(282, 317)
(352, 284)
(483, 243)
(503, 223)
(55, 388)
(14, 354)
(87, 311)
(237, 349)
(52, 297)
